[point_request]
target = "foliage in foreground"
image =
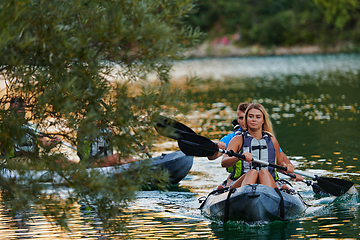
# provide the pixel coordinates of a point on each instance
(63, 58)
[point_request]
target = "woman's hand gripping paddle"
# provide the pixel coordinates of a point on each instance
(192, 144)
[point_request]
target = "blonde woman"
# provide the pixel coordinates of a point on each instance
(257, 142)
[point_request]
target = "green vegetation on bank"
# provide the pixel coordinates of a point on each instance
(279, 23)
(62, 58)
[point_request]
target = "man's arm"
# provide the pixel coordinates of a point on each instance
(220, 145)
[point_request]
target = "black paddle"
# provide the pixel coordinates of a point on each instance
(328, 186)
(210, 149)
(178, 131)
(192, 144)
(49, 136)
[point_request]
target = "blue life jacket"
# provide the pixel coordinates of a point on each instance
(226, 139)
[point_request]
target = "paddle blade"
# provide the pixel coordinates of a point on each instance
(334, 186)
(171, 128)
(196, 149)
(189, 142)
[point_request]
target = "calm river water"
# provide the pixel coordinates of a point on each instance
(314, 105)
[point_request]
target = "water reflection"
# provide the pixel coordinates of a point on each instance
(13, 227)
(157, 225)
(174, 214)
(314, 106)
(315, 116)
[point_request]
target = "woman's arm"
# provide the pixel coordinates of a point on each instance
(286, 160)
(235, 145)
(279, 157)
(290, 167)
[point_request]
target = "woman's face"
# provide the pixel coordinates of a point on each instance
(255, 119)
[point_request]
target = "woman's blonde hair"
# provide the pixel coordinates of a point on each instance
(267, 126)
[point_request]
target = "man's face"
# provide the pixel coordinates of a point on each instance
(18, 108)
(240, 119)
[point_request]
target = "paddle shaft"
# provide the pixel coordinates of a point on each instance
(305, 175)
(289, 174)
(333, 186)
(265, 163)
(51, 137)
(232, 153)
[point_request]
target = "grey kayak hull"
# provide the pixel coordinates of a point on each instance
(176, 163)
(253, 203)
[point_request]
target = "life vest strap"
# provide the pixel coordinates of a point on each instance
(227, 204)
(281, 204)
(259, 147)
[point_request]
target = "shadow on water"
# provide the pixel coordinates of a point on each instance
(273, 230)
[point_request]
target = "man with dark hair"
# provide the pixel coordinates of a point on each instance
(24, 141)
(238, 126)
(17, 102)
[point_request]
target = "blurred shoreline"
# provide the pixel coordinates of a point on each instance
(228, 49)
(225, 47)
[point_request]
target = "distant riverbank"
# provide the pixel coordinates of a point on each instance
(221, 68)
(227, 49)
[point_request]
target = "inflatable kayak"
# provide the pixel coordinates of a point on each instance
(253, 203)
(176, 163)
